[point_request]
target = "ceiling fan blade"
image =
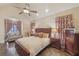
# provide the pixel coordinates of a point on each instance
(33, 11)
(21, 12)
(17, 7)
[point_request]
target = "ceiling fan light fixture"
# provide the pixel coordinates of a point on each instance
(46, 10)
(26, 11)
(37, 14)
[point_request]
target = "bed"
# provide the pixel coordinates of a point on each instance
(31, 46)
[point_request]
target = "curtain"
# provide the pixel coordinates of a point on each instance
(62, 23)
(18, 24)
(8, 25)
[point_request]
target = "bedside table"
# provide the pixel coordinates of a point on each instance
(55, 43)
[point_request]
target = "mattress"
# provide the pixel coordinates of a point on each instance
(34, 44)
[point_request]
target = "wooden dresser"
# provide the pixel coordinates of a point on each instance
(72, 43)
(77, 43)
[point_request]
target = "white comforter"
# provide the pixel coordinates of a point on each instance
(34, 44)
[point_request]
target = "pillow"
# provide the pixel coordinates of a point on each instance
(40, 35)
(45, 35)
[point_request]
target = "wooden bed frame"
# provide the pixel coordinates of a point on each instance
(21, 50)
(25, 52)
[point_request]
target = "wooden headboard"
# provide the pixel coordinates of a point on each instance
(44, 30)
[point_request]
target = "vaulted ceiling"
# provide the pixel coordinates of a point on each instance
(41, 7)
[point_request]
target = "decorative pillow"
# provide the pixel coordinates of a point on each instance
(45, 35)
(40, 35)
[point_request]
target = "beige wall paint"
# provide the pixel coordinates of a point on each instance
(26, 27)
(1, 31)
(46, 22)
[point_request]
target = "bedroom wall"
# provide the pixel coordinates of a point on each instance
(75, 14)
(26, 27)
(1, 31)
(46, 22)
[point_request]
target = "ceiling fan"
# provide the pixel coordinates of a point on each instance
(26, 10)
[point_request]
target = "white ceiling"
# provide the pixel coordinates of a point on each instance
(40, 7)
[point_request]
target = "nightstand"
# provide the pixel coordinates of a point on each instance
(55, 43)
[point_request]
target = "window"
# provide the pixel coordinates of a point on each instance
(14, 28)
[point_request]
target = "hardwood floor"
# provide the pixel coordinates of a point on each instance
(9, 50)
(53, 52)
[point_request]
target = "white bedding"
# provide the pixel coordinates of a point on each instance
(34, 44)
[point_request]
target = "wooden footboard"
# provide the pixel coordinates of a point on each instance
(21, 51)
